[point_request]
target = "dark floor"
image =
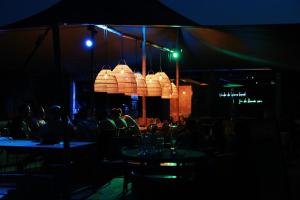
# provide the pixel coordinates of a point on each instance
(110, 187)
(273, 185)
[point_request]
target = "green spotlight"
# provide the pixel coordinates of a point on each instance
(175, 55)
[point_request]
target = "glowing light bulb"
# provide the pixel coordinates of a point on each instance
(89, 43)
(175, 54)
(105, 76)
(122, 71)
(160, 78)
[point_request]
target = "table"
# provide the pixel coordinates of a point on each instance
(181, 160)
(30, 145)
(166, 155)
(165, 167)
(30, 149)
(34, 148)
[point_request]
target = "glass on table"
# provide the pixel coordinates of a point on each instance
(173, 145)
(160, 143)
(4, 135)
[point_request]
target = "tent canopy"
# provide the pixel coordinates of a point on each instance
(203, 48)
(111, 12)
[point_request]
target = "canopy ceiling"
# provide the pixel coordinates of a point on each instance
(204, 48)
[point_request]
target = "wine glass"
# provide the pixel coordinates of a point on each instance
(160, 141)
(173, 145)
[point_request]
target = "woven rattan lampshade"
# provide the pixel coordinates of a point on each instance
(174, 94)
(163, 78)
(166, 91)
(106, 82)
(126, 79)
(141, 85)
(153, 86)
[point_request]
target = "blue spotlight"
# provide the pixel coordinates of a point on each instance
(89, 43)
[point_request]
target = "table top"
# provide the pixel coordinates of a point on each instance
(142, 128)
(30, 144)
(179, 155)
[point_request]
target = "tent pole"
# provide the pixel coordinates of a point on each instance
(177, 85)
(57, 61)
(92, 53)
(144, 109)
(63, 101)
(177, 75)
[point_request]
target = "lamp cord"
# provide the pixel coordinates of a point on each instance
(150, 59)
(105, 34)
(160, 61)
(136, 52)
(122, 48)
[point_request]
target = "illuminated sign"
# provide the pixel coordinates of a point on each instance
(230, 94)
(250, 101)
(241, 97)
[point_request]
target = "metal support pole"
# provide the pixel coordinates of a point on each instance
(177, 74)
(64, 101)
(177, 85)
(57, 62)
(144, 108)
(92, 52)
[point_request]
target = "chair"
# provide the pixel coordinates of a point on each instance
(118, 166)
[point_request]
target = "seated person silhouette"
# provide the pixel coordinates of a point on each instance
(20, 126)
(38, 120)
(133, 126)
(107, 124)
(189, 136)
(54, 130)
(108, 129)
(85, 126)
(116, 116)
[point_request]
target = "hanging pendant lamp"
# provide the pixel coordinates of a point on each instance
(166, 91)
(141, 85)
(165, 83)
(106, 82)
(126, 79)
(174, 94)
(153, 86)
(163, 78)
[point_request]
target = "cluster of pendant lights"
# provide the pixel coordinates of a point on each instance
(122, 80)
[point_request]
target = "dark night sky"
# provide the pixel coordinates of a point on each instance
(14, 10)
(204, 12)
(237, 12)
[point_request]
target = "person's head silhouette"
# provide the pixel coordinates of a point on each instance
(55, 113)
(115, 113)
(24, 111)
